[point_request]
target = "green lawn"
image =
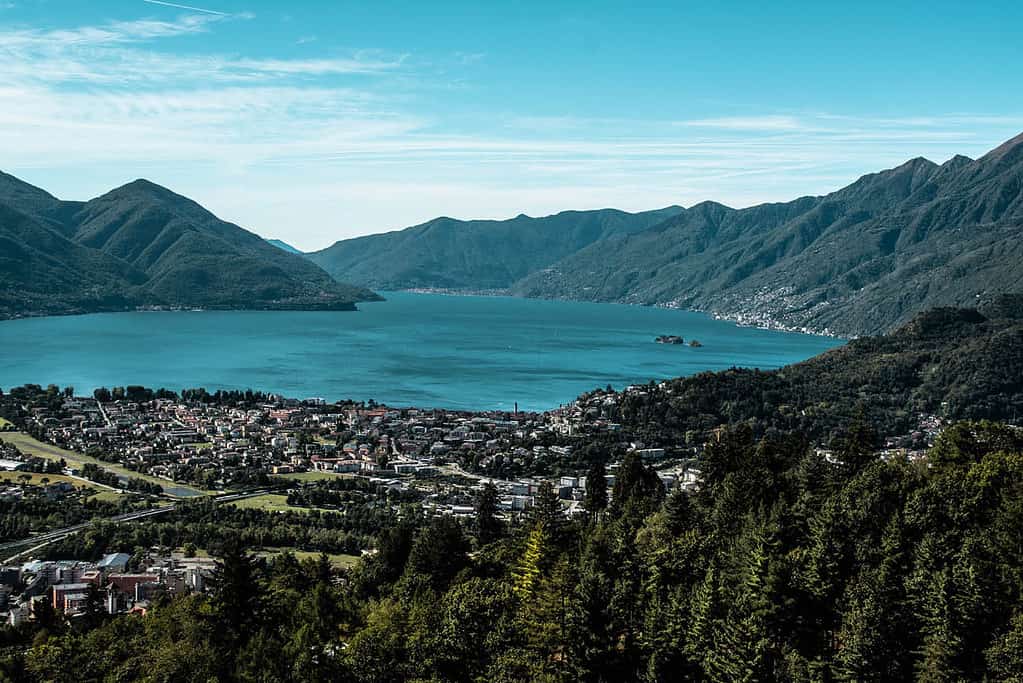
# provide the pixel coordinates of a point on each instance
(4, 424)
(312, 476)
(36, 479)
(271, 502)
(340, 561)
(107, 496)
(76, 460)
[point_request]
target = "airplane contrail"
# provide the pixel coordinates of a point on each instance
(193, 9)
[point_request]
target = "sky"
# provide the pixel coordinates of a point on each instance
(318, 121)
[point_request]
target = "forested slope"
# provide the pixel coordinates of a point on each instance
(141, 244)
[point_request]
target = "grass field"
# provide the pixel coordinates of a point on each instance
(312, 476)
(338, 560)
(341, 561)
(107, 496)
(271, 502)
(36, 479)
(31, 446)
(4, 424)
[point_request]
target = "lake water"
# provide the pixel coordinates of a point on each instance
(426, 350)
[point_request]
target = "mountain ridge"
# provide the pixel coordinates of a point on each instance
(477, 254)
(142, 245)
(860, 260)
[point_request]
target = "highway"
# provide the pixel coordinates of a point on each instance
(44, 539)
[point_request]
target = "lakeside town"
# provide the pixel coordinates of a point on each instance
(152, 448)
(190, 446)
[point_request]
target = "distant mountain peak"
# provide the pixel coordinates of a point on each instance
(710, 205)
(284, 246)
(957, 161)
(917, 162)
(141, 186)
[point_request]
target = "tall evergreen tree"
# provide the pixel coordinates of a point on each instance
(488, 526)
(235, 590)
(638, 490)
(596, 489)
(546, 510)
(439, 552)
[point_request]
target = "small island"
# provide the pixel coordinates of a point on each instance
(670, 339)
(676, 340)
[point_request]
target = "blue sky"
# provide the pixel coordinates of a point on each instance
(316, 121)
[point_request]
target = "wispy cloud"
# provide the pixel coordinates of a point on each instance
(119, 53)
(746, 123)
(328, 141)
(114, 33)
(186, 7)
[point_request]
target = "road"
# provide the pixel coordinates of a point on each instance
(45, 539)
(456, 469)
(32, 446)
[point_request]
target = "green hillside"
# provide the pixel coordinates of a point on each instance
(861, 260)
(857, 261)
(475, 255)
(141, 244)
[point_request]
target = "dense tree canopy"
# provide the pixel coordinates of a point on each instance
(784, 566)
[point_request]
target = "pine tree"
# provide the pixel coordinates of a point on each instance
(439, 552)
(941, 644)
(546, 510)
(858, 446)
(596, 489)
(234, 589)
(533, 563)
(744, 647)
(593, 641)
(638, 490)
(1005, 656)
(488, 526)
(705, 609)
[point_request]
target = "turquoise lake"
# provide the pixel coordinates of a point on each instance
(426, 350)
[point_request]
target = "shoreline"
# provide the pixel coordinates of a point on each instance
(349, 307)
(739, 319)
(760, 322)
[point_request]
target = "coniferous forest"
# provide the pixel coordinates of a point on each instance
(783, 566)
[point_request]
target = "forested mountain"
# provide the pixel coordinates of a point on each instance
(856, 261)
(141, 244)
(956, 363)
(475, 255)
(861, 260)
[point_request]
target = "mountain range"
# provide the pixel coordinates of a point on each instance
(142, 245)
(861, 260)
(477, 255)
